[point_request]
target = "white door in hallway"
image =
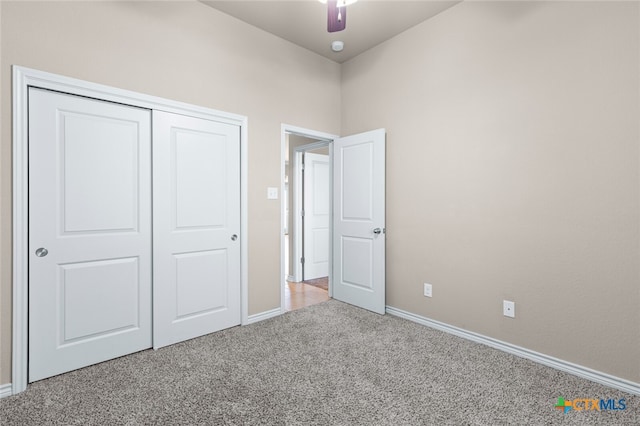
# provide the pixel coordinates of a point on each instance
(196, 221)
(359, 220)
(89, 232)
(317, 207)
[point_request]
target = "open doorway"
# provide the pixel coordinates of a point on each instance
(357, 232)
(306, 217)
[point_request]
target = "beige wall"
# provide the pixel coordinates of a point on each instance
(513, 172)
(184, 51)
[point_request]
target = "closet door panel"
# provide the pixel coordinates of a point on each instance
(89, 231)
(196, 225)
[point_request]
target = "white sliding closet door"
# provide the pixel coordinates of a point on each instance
(89, 231)
(196, 202)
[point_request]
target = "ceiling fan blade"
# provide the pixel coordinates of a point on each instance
(336, 17)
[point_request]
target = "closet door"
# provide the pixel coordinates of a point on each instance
(196, 222)
(89, 231)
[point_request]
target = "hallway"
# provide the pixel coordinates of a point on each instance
(300, 295)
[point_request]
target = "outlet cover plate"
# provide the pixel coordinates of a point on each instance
(428, 290)
(509, 308)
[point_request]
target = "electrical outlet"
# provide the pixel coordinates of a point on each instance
(509, 308)
(427, 290)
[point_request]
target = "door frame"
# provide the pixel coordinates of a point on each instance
(323, 139)
(298, 202)
(22, 79)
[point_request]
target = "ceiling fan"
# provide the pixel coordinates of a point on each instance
(337, 14)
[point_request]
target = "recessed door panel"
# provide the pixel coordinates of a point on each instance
(108, 289)
(357, 262)
(200, 283)
(199, 160)
(99, 168)
(357, 180)
(89, 231)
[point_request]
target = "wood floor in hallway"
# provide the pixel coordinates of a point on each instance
(300, 295)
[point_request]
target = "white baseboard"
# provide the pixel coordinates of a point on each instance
(549, 361)
(6, 390)
(264, 315)
(291, 278)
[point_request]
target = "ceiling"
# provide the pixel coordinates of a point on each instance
(304, 22)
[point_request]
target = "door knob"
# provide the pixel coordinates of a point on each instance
(42, 252)
(234, 237)
(377, 231)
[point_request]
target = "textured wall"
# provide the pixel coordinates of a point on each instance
(184, 51)
(512, 172)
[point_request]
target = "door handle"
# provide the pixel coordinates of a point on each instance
(234, 237)
(377, 231)
(42, 252)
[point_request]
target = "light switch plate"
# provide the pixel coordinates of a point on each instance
(272, 193)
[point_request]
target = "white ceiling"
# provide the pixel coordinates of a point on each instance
(304, 22)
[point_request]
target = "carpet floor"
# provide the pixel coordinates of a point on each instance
(327, 364)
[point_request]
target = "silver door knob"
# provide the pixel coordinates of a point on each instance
(377, 231)
(234, 237)
(42, 252)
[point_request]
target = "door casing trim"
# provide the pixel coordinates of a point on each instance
(23, 78)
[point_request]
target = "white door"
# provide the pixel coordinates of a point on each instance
(316, 215)
(359, 220)
(89, 232)
(196, 222)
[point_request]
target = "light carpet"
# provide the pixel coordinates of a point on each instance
(328, 364)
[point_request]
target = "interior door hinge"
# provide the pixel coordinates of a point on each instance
(302, 213)
(302, 260)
